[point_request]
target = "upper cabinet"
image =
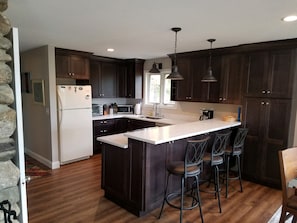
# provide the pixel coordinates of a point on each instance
(191, 88)
(72, 64)
(130, 77)
(104, 79)
(270, 73)
(231, 79)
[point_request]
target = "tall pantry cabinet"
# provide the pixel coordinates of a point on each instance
(266, 111)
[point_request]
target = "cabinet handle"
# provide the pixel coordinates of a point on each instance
(220, 99)
(262, 103)
(263, 92)
(267, 103)
(268, 92)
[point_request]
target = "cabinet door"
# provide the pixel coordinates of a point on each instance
(275, 137)
(200, 90)
(183, 90)
(122, 81)
(95, 70)
(79, 67)
(281, 73)
(62, 66)
(108, 80)
(231, 79)
(256, 70)
(253, 120)
(268, 124)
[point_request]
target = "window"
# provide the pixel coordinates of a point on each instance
(158, 89)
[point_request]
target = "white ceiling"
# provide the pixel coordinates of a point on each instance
(142, 28)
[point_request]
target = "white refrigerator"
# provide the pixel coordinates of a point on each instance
(75, 122)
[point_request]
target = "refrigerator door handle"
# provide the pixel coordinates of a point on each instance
(60, 109)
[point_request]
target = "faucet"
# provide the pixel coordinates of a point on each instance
(156, 110)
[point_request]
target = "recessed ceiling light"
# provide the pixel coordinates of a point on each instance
(290, 18)
(110, 50)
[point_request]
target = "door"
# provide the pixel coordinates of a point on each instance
(75, 134)
(18, 135)
(73, 96)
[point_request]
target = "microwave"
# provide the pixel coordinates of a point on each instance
(126, 109)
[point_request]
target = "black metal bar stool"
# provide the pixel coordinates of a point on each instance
(190, 167)
(216, 158)
(235, 151)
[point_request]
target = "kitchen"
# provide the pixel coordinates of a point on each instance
(43, 119)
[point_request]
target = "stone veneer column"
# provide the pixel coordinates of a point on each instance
(9, 173)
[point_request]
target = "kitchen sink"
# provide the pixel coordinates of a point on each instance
(154, 117)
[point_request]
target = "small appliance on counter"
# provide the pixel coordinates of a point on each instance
(137, 109)
(97, 110)
(125, 109)
(206, 114)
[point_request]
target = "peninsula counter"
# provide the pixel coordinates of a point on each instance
(134, 163)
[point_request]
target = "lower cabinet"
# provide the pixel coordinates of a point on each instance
(102, 128)
(268, 124)
(114, 126)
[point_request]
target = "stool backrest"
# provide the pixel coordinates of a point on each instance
(194, 152)
(240, 138)
(219, 145)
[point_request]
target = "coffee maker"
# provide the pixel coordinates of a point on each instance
(206, 114)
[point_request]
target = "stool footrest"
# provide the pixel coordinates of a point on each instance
(171, 196)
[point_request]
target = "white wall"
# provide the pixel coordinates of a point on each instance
(40, 122)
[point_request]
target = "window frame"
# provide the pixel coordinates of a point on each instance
(163, 74)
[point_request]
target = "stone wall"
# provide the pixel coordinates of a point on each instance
(9, 173)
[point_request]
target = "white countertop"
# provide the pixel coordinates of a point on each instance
(118, 140)
(140, 117)
(158, 135)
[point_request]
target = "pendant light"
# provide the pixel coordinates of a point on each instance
(154, 69)
(209, 77)
(175, 75)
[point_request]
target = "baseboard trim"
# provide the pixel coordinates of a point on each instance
(41, 159)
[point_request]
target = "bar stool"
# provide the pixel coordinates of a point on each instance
(216, 158)
(235, 151)
(189, 168)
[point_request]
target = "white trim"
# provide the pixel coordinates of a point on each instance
(19, 133)
(41, 159)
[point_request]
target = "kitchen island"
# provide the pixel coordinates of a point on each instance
(134, 163)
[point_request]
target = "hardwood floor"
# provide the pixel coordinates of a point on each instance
(73, 194)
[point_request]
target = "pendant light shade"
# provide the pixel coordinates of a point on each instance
(175, 75)
(154, 69)
(209, 77)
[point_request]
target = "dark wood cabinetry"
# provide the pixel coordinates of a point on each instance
(131, 79)
(134, 124)
(231, 79)
(102, 128)
(268, 72)
(267, 111)
(268, 124)
(104, 79)
(114, 126)
(72, 64)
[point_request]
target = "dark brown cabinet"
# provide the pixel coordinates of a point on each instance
(104, 79)
(268, 72)
(72, 64)
(134, 124)
(131, 77)
(268, 124)
(193, 68)
(102, 128)
(231, 80)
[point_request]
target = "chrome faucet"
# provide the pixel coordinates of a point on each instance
(156, 110)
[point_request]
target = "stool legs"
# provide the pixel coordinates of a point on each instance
(238, 171)
(197, 197)
(217, 186)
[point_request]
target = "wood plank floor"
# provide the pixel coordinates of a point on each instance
(73, 194)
